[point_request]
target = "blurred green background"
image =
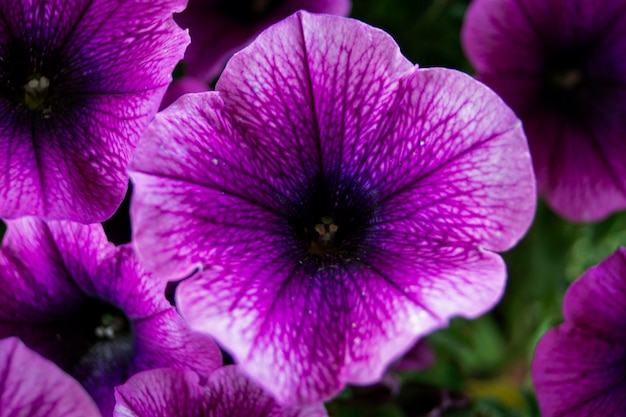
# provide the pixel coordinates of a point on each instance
(482, 367)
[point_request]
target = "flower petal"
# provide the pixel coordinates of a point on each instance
(34, 387)
(233, 394)
(491, 28)
(46, 268)
(160, 392)
(174, 393)
(578, 367)
(578, 163)
(290, 338)
(122, 281)
(310, 97)
(303, 337)
(596, 300)
(165, 340)
(421, 356)
(454, 166)
(188, 164)
(579, 372)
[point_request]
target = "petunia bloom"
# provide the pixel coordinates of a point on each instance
(419, 357)
(561, 66)
(79, 81)
(578, 369)
(338, 202)
(219, 28)
(35, 387)
(91, 308)
(180, 393)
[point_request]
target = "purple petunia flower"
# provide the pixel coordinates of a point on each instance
(219, 28)
(578, 368)
(419, 357)
(88, 306)
(179, 393)
(561, 65)
(79, 81)
(35, 387)
(342, 203)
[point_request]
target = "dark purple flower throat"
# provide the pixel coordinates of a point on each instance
(565, 78)
(36, 80)
(100, 334)
(331, 221)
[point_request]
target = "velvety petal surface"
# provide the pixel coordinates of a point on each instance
(160, 392)
(165, 340)
(578, 163)
(44, 268)
(122, 280)
(109, 65)
(55, 274)
(281, 113)
(172, 393)
(32, 386)
(217, 32)
(579, 372)
(579, 366)
(522, 49)
(322, 83)
(454, 170)
(304, 337)
(596, 299)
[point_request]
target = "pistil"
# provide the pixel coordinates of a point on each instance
(36, 92)
(260, 7)
(111, 326)
(567, 80)
(326, 231)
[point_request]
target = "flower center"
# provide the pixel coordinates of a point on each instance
(101, 337)
(326, 231)
(111, 326)
(100, 321)
(38, 80)
(36, 92)
(249, 11)
(331, 219)
(567, 80)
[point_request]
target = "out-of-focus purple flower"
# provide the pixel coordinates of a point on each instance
(579, 366)
(219, 28)
(79, 81)
(182, 86)
(561, 65)
(421, 356)
(89, 306)
(35, 387)
(342, 203)
(179, 393)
